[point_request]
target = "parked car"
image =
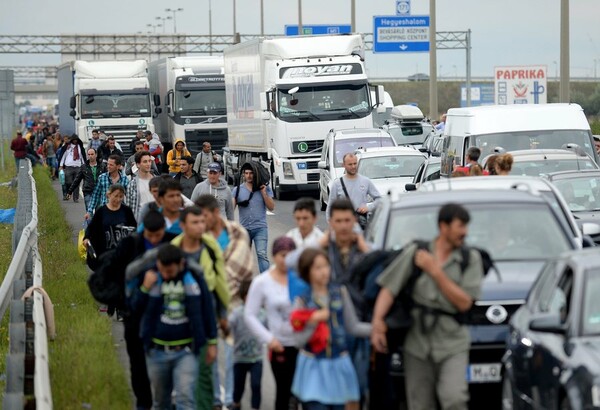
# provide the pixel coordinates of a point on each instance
(581, 191)
(533, 184)
(535, 162)
(418, 77)
(389, 167)
(551, 359)
(428, 171)
(407, 126)
(341, 142)
(519, 229)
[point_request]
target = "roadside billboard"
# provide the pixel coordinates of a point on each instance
(521, 84)
(481, 94)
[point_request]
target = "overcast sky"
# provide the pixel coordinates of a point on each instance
(505, 32)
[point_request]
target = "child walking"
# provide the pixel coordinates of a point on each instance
(325, 378)
(247, 354)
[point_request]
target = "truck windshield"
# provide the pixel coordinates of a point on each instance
(201, 102)
(324, 103)
(544, 139)
(115, 105)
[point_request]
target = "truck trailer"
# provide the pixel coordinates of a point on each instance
(110, 95)
(285, 94)
(193, 92)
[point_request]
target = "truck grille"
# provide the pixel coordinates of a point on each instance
(312, 165)
(307, 147)
(314, 177)
(195, 138)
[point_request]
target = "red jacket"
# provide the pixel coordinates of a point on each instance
(19, 146)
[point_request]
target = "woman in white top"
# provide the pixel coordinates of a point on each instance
(270, 291)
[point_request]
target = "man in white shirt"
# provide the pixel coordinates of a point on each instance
(306, 233)
(138, 191)
(71, 161)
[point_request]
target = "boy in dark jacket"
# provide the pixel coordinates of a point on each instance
(177, 320)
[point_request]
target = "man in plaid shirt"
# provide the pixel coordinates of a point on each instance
(113, 176)
(138, 191)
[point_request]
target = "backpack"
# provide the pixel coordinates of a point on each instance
(104, 284)
(399, 318)
(261, 177)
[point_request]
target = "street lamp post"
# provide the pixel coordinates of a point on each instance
(353, 16)
(164, 24)
(300, 29)
(174, 11)
(153, 26)
(433, 100)
(262, 17)
(210, 27)
(564, 52)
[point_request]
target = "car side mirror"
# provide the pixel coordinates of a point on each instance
(322, 165)
(410, 187)
(423, 149)
(548, 324)
(587, 241)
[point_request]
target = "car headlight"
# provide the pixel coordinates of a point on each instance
(287, 170)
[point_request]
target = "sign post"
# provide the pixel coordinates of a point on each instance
(395, 34)
(318, 29)
(402, 7)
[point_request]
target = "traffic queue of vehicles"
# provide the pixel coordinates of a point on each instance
(297, 105)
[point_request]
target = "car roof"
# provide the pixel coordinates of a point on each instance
(487, 182)
(545, 108)
(538, 154)
(554, 176)
(388, 151)
(360, 132)
(584, 259)
(500, 196)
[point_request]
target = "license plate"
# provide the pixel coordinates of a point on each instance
(302, 165)
(484, 373)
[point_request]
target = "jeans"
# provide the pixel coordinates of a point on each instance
(228, 351)
(70, 175)
(173, 369)
(260, 236)
(86, 199)
(239, 371)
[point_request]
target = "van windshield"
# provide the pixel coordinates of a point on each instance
(349, 145)
(545, 139)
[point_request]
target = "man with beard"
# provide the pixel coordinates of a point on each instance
(436, 348)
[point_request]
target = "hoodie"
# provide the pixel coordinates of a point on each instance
(221, 192)
(174, 156)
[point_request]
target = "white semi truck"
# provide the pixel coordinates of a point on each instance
(110, 95)
(193, 93)
(283, 97)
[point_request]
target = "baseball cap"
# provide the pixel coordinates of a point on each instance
(214, 166)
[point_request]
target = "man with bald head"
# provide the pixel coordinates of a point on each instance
(359, 189)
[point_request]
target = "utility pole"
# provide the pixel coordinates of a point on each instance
(433, 101)
(353, 16)
(262, 17)
(564, 96)
(234, 19)
(210, 27)
(300, 29)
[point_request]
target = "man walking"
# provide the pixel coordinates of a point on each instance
(71, 161)
(95, 142)
(187, 177)
(436, 349)
(213, 185)
(357, 188)
(89, 174)
(205, 157)
(253, 214)
(108, 148)
(19, 146)
(138, 191)
(471, 158)
(235, 244)
(112, 176)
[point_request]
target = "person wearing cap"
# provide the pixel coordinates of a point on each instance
(19, 146)
(215, 186)
(204, 158)
(187, 177)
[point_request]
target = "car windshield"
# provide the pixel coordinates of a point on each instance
(547, 166)
(526, 232)
(349, 145)
(410, 134)
(581, 193)
(201, 102)
(591, 303)
(324, 103)
(115, 105)
(392, 166)
(546, 139)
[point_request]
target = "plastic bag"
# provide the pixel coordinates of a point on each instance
(80, 247)
(61, 176)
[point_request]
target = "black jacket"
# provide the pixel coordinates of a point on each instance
(104, 153)
(86, 175)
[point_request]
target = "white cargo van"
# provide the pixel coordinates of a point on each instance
(513, 127)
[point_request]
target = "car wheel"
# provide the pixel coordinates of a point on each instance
(508, 398)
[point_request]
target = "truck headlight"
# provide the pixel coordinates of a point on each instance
(287, 170)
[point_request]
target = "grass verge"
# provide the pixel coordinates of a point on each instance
(84, 368)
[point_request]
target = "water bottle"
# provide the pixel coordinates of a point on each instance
(61, 176)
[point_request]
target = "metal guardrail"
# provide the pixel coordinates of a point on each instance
(27, 373)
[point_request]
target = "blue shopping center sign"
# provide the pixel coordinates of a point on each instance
(400, 34)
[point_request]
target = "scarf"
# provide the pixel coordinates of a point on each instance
(76, 153)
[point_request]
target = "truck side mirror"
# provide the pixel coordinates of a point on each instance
(73, 113)
(263, 102)
(322, 165)
(157, 100)
(157, 110)
(380, 95)
(72, 103)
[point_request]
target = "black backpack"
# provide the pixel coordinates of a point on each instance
(104, 284)
(261, 177)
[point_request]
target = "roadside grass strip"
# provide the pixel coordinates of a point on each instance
(84, 368)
